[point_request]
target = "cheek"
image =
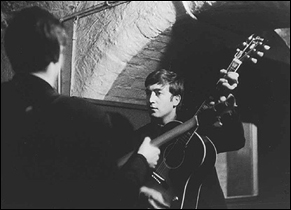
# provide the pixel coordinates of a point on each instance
(167, 105)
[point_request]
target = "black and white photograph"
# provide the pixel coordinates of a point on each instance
(145, 104)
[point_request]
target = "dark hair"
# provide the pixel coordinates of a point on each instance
(32, 40)
(164, 77)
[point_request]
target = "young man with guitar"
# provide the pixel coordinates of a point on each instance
(199, 186)
(185, 176)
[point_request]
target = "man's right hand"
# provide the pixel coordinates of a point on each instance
(150, 152)
(154, 198)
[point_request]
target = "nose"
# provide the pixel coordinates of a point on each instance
(151, 97)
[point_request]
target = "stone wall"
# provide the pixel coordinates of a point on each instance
(117, 48)
(114, 49)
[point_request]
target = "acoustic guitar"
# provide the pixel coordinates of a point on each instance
(186, 157)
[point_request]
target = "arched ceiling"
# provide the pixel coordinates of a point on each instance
(242, 16)
(217, 24)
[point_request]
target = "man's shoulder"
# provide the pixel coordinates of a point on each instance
(75, 103)
(80, 108)
(144, 128)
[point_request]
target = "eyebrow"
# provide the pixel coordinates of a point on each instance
(158, 88)
(155, 90)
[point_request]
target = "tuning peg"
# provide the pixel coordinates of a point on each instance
(252, 46)
(244, 44)
(259, 39)
(261, 54)
(254, 60)
(251, 36)
(267, 47)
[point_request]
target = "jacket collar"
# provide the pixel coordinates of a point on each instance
(34, 88)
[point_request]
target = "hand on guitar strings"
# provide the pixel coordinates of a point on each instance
(150, 152)
(228, 81)
(223, 101)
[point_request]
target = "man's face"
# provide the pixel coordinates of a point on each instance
(161, 103)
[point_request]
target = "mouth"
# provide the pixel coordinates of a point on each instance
(152, 109)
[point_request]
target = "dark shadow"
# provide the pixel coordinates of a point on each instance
(123, 131)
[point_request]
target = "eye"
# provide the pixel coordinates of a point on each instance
(157, 92)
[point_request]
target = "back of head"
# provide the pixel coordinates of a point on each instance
(33, 39)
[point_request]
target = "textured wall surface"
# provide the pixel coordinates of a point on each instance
(114, 50)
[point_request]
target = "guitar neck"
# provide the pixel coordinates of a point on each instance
(175, 132)
(232, 67)
(166, 137)
(239, 57)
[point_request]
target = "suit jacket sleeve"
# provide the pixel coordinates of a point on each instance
(130, 177)
(228, 137)
(113, 187)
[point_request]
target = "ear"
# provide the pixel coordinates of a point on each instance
(176, 100)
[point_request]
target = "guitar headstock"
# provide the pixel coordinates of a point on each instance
(253, 47)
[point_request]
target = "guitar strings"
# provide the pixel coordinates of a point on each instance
(162, 167)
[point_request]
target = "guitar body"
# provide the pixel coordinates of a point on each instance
(186, 157)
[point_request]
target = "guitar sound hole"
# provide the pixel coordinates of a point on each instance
(174, 155)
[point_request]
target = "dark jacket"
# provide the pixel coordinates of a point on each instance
(229, 137)
(56, 151)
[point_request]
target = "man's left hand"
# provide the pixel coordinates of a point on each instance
(228, 80)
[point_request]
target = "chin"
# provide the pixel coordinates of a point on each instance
(154, 115)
